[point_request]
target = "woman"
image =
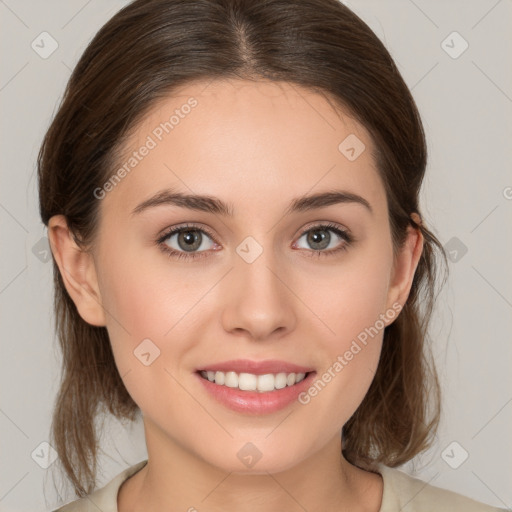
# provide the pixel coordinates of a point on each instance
(231, 195)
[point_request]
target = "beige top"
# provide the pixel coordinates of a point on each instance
(401, 492)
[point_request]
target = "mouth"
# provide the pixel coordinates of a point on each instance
(256, 376)
(255, 393)
(260, 383)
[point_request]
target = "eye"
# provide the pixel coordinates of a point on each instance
(187, 242)
(191, 242)
(319, 239)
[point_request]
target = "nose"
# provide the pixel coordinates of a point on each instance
(259, 302)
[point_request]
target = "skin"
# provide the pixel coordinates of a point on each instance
(256, 146)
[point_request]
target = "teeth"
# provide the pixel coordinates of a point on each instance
(251, 382)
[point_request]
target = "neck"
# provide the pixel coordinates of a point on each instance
(176, 479)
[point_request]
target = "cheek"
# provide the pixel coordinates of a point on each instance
(142, 295)
(152, 311)
(139, 306)
(352, 307)
(350, 297)
(144, 343)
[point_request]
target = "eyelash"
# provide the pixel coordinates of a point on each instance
(171, 253)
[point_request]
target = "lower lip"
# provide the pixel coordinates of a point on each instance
(254, 402)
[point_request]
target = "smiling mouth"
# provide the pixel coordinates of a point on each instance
(265, 383)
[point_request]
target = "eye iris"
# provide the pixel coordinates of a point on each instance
(315, 238)
(192, 239)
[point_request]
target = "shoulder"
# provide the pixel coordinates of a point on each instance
(105, 498)
(410, 494)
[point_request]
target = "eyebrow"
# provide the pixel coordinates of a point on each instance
(210, 204)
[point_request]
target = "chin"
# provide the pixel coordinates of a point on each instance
(251, 460)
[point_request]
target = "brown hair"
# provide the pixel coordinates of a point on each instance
(141, 55)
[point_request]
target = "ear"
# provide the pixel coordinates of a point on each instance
(78, 271)
(405, 264)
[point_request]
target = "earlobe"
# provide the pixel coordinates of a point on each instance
(78, 271)
(405, 265)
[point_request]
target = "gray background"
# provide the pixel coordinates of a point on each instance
(465, 103)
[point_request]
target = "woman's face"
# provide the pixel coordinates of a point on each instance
(264, 285)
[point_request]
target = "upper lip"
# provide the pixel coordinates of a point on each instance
(256, 367)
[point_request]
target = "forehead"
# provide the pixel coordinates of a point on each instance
(261, 142)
